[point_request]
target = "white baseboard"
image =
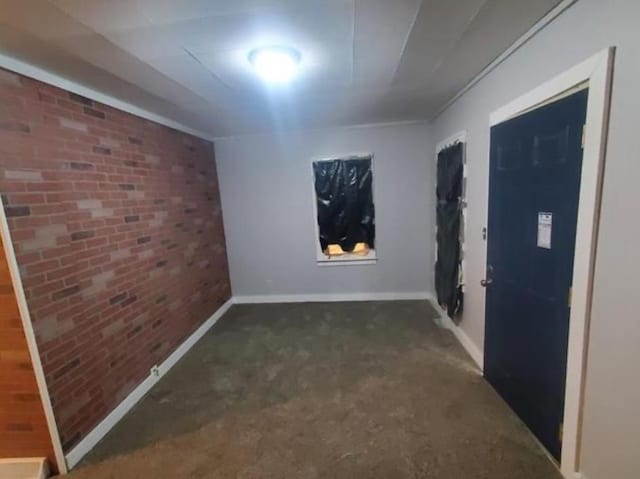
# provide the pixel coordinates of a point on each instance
(88, 442)
(25, 467)
(462, 337)
(568, 475)
(328, 298)
(443, 321)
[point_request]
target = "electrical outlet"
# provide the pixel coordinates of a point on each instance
(155, 371)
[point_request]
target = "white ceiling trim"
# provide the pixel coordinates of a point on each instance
(32, 71)
(384, 124)
(543, 22)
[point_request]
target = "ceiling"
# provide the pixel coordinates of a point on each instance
(363, 61)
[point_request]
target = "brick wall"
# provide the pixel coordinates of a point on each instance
(23, 426)
(117, 227)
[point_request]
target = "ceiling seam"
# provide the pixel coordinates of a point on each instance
(217, 77)
(515, 46)
(353, 40)
(126, 52)
(455, 43)
(148, 19)
(406, 40)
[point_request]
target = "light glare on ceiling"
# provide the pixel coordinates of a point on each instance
(275, 64)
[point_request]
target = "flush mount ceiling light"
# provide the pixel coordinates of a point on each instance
(275, 64)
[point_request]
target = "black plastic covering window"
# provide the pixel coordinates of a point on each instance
(344, 193)
(449, 217)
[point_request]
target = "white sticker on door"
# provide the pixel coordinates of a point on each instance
(545, 221)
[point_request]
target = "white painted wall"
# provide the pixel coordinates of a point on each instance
(266, 187)
(611, 418)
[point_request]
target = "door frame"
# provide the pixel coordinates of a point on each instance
(596, 72)
(445, 321)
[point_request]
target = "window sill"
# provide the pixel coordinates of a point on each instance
(347, 259)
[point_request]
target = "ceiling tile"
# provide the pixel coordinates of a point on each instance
(231, 32)
(432, 38)
(322, 66)
(491, 32)
(381, 30)
(363, 61)
(146, 43)
(190, 73)
(50, 57)
(41, 18)
(171, 11)
(95, 49)
(104, 15)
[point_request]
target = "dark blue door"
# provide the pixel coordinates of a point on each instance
(536, 161)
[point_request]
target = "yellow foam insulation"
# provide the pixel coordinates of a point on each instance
(361, 249)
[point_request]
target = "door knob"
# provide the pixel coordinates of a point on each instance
(488, 280)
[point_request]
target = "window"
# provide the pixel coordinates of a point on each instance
(345, 210)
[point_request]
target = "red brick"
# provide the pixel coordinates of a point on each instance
(43, 266)
(111, 245)
(26, 198)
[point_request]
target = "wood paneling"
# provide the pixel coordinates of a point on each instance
(23, 426)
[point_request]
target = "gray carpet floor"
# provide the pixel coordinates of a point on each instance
(322, 390)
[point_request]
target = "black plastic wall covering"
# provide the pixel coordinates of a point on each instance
(449, 217)
(344, 193)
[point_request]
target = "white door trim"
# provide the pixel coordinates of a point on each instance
(460, 136)
(25, 317)
(596, 71)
